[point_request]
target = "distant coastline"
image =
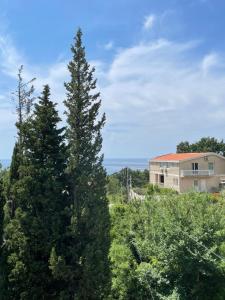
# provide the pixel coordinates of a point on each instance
(112, 165)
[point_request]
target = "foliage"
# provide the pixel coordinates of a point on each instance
(139, 178)
(13, 178)
(54, 215)
(205, 144)
(113, 185)
(87, 257)
(155, 189)
(24, 99)
(2, 202)
(140, 191)
(172, 248)
(40, 213)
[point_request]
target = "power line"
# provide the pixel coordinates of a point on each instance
(206, 248)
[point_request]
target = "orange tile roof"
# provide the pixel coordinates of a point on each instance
(178, 156)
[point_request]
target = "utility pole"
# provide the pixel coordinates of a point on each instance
(127, 183)
(130, 182)
(130, 188)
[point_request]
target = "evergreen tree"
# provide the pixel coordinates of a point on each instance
(1, 237)
(13, 178)
(1, 212)
(24, 99)
(40, 214)
(87, 256)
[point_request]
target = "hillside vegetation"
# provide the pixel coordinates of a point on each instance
(169, 246)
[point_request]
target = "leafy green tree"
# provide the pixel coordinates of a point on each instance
(169, 249)
(88, 253)
(139, 178)
(205, 144)
(184, 147)
(40, 218)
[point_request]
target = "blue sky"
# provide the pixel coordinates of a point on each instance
(160, 66)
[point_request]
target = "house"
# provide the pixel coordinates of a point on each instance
(203, 172)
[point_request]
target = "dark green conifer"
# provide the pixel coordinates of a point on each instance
(40, 216)
(13, 178)
(88, 253)
(1, 236)
(24, 99)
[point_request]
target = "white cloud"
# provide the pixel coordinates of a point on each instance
(209, 61)
(109, 45)
(10, 58)
(159, 94)
(154, 94)
(149, 21)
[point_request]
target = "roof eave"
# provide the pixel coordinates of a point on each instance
(191, 158)
(155, 160)
(203, 155)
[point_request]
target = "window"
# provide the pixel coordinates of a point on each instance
(168, 165)
(194, 166)
(164, 165)
(161, 179)
(211, 166)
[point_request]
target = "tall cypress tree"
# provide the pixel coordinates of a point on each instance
(39, 221)
(88, 256)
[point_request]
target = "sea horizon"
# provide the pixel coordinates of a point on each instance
(112, 165)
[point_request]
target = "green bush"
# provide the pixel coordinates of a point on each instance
(155, 189)
(169, 249)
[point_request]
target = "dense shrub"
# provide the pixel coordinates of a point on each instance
(173, 248)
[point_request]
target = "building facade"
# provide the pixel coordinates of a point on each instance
(202, 172)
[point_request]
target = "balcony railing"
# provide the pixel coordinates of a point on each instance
(197, 173)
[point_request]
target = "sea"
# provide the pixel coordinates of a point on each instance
(112, 165)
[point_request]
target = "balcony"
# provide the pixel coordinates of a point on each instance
(197, 173)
